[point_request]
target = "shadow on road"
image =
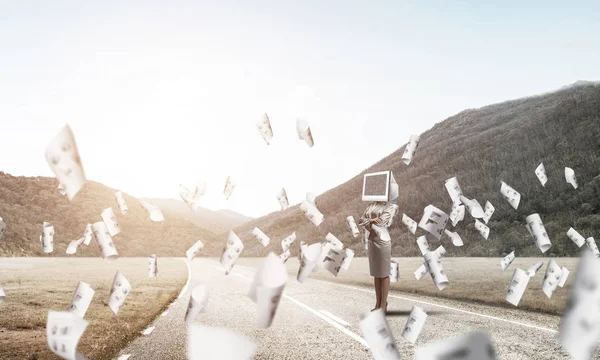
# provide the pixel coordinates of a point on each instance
(407, 312)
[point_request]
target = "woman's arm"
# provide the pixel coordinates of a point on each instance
(387, 216)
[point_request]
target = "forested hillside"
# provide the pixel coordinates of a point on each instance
(481, 147)
(26, 202)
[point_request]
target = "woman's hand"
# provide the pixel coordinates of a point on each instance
(377, 220)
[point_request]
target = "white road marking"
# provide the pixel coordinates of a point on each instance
(148, 331)
(333, 317)
(446, 307)
(316, 313)
(187, 283)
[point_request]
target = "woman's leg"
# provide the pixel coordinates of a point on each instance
(385, 289)
(377, 292)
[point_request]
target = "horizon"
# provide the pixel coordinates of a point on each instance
(172, 97)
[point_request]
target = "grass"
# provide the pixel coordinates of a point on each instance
(34, 286)
(478, 280)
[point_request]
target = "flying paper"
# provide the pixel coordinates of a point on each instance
(73, 245)
(410, 149)
(511, 195)
(576, 237)
(229, 186)
(261, 237)
(283, 199)
(312, 213)
(331, 258)
(394, 271)
(456, 239)
(63, 157)
(540, 172)
(2, 295)
(570, 177)
(61, 189)
(378, 335)
(267, 289)
(537, 230)
(81, 299)
(473, 207)
(533, 269)
(414, 324)
(205, 342)
(563, 276)
(348, 256)
(517, 286)
(507, 260)
(436, 270)
(154, 211)
(482, 229)
(423, 244)
(284, 256)
(104, 241)
(152, 266)
(231, 252)
(434, 221)
(264, 127)
(87, 234)
(197, 304)
(121, 202)
(552, 278)
(591, 243)
(457, 213)
(110, 220)
(311, 198)
(304, 132)
(421, 271)
(2, 227)
(288, 241)
(472, 346)
(118, 292)
(334, 241)
(410, 224)
(191, 199)
(453, 189)
(352, 227)
(194, 250)
(47, 237)
(63, 331)
(309, 257)
(489, 211)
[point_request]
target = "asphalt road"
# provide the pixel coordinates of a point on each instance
(304, 328)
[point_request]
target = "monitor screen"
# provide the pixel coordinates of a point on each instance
(376, 186)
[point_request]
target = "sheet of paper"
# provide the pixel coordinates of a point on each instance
(436, 270)
(394, 271)
(348, 256)
(82, 297)
(483, 230)
(489, 211)
(579, 329)
(197, 303)
(267, 289)
(511, 195)
(312, 213)
(576, 237)
(304, 133)
(2, 227)
(423, 244)
(47, 237)
(410, 149)
(264, 127)
(473, 207)
(537, 230)
(552, 278)
(414, 324)
(563, 276)
(533, 269)
(440, 251)
(308, 262)
(434, 221)
(378, 335)
(516, 287)
(472, 346)
(311, 198)
(2, 295)
(352, 227)
(457, 213)
(591, 243)
(121, 202)
(118, 292)
(331, 258)
(261, 237)
(110, 220)
(410, 224)
(540, 172)
(205, 343)
(152, 266)
(570, 177)
(284, 256)
(88, 234)
(231, 252)
(73, 245)
(61, 189)
(334, 241)
(456, 239)
(229, 187)
(194, 250)
(282, 199)
(63, 157)
(104, 241)
(421, 271)
(153, 211)
(63, 331)
(507, 260)
(191, 199)
(453, 189)
(286, 243)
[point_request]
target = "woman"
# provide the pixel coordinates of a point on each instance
(376, 219)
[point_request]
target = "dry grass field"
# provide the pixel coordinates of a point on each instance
(34, 286)
(471, 279)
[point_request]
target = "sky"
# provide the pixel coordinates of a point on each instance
(166, 93)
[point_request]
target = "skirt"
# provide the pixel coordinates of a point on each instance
(380, 256)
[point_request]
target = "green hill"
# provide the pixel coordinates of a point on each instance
(481, 147)
(26, 202)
